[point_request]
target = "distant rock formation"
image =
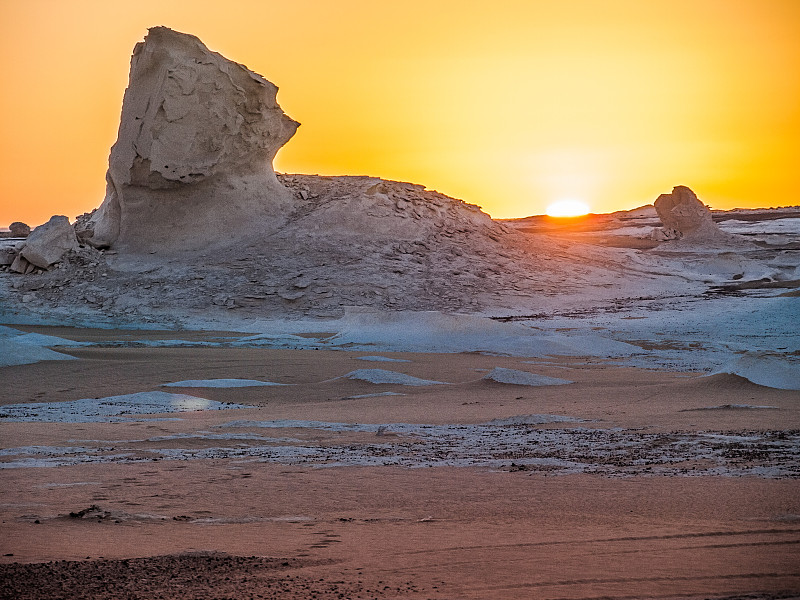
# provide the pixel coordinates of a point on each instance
(683, 216)
(194, 152)
(19, 229)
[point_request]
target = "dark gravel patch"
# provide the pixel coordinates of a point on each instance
(181, 577)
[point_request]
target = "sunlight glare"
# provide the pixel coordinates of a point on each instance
(567, 208)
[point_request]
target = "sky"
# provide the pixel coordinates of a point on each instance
(511, 105)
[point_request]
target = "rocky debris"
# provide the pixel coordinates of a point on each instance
(683, 215)
(660, 234)
(84, 227)
(764, 283)
(370, 208)
(49, 242)
(193, 159)
(45, 246)
(20, 265)
(66, 281)
(7, 256)
(92, 512)
(19, 229)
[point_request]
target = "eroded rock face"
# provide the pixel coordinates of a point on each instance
(682, 215)
(194, 152)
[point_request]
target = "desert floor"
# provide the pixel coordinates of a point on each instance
(648, 484)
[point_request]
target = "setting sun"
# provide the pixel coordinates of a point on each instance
(567, 208)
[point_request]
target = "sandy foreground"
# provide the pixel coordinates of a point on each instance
(627, 483)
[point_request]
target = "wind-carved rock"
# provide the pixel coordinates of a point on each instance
(684, 216)
(194, 152)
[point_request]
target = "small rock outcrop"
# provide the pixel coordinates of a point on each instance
(684, 216)
(49, 242)
(194, 152)
(19, 229)
(45, 246)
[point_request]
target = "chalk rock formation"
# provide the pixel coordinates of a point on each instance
(19, 229)
(46, 245)
(683, 215)
(194, 152)
(358, 208)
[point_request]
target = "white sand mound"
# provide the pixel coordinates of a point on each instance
(724, 266)
(514, 377)
(384, 376)
(780, 372)
(431, 331)
(17, 348)
(722, 383)
(37, 339)
(271, 340)
(15, 353)
(219, 383)
(382, 359)
(112, 408)
(375, 395)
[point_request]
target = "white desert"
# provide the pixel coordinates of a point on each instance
(227, 382)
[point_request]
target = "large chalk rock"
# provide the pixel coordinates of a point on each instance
(682, 215)
(193, 157)
(49, 242)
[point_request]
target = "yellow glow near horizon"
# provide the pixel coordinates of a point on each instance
(568, 208)
(506, 104)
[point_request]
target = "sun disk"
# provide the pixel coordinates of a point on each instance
(567, 208)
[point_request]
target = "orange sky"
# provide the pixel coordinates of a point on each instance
(508, 104)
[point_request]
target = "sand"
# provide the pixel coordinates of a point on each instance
(626, 483)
